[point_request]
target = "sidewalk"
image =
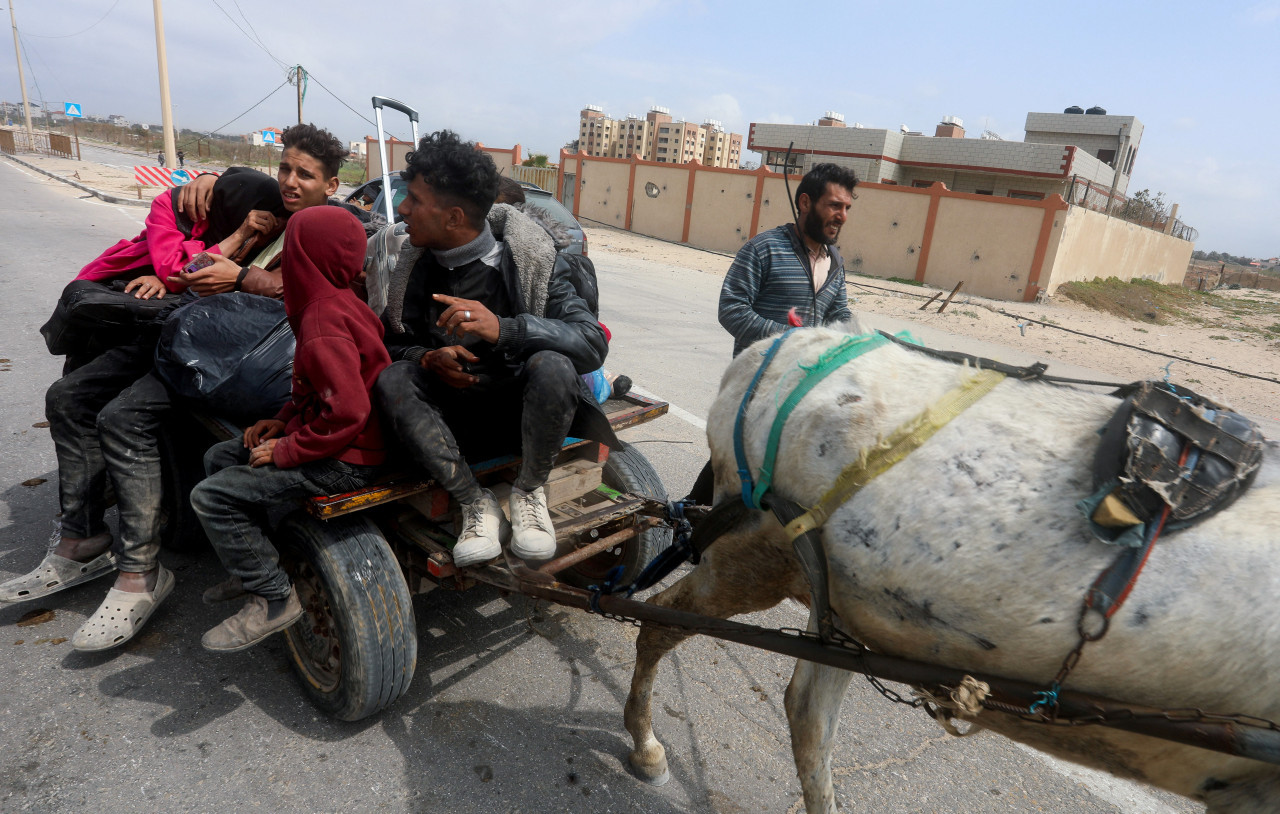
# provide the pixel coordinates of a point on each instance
(111, 179)
(111, 184)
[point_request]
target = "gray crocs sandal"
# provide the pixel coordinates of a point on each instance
(121, 615)
(55, 574)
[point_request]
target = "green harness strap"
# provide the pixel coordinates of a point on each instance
(831, 360)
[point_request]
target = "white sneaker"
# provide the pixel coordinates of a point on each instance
(483, 528)
(534, 538)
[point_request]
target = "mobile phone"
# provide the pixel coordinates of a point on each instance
(198, 262)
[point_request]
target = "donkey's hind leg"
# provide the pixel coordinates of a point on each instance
(742, 572)
(813, 702)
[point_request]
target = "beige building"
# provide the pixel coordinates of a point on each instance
(999, 246)
(657, 137)
(1076, 154)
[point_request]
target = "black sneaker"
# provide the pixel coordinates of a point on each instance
(621, 386)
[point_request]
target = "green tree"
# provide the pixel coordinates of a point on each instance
(535, 160)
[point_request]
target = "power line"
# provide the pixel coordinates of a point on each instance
(242, 115)
(256, 36)
(311, 76)
(249, 37)
(1140, 348)
(1005, 313)
(27, 49)
(78, 33)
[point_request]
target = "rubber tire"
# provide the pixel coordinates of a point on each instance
(626, 470)
(345, 569)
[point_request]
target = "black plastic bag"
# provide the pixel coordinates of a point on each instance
(231, 354)
(94, 314)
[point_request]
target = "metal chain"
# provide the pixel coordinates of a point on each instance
(847, 642)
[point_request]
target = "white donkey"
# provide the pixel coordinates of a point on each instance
(970, 553)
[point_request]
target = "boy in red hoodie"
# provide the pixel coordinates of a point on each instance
(326, 440)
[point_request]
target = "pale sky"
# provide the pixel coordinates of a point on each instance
(1201, 77)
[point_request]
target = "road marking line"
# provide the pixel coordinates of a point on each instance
(678, 412)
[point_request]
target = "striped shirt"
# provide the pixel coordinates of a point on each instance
(768, 278)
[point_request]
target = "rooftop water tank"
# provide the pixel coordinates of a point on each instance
(1074, 109)
(1096, 111)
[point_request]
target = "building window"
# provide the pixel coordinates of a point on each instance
(1026, 196)
(984, 192)
(921, 184)
(1107, 157)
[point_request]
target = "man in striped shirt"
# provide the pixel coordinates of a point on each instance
(786, 267)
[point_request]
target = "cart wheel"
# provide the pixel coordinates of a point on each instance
(356, 646)
(626, 470)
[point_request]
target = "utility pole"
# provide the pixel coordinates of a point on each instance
(166, 113)
(298, 76)
(22, 79)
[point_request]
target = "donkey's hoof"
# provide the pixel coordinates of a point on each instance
(653, 775)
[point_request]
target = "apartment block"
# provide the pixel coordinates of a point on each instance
(657, 137)
(1061, 151)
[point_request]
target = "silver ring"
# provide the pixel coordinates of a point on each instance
(466, 315)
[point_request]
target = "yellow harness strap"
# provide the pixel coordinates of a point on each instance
(904, 440)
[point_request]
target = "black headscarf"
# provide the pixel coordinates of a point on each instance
(236, 193)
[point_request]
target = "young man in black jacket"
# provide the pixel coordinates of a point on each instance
(488, 340)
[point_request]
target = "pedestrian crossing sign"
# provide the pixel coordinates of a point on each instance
(268, 137)
(72, 109)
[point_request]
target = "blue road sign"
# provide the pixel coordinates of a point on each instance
(72, 109)
(180, 177)
(268, 137)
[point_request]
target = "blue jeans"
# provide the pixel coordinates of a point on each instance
(235, 501)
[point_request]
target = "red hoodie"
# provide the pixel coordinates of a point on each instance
(339, 353)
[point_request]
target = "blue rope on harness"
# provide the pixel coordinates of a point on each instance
(680, 551)
(828, 362)
(739, 450)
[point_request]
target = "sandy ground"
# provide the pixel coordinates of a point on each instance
(1218, 341)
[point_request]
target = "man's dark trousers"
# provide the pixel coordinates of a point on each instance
(528, 413)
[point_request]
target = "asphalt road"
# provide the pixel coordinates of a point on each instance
(516, 707)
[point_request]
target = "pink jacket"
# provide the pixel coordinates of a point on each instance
(162, 245)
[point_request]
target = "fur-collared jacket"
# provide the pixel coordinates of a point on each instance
(552, 314)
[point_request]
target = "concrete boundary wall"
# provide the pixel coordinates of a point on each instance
(1094, 245)
(1002, 248)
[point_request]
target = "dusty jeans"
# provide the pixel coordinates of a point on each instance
(234, 502)
(528, 414)
(129, 431)
(72, 405)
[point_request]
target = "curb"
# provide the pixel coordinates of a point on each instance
(115, 199)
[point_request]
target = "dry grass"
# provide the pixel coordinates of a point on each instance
(1153, 303)
(1138, 300)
